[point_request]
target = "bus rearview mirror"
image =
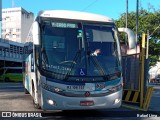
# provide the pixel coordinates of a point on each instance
(35, 33)
(131, 37)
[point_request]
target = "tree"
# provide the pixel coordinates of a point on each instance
(147, 21)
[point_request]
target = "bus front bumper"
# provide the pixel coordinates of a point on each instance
(53, 101)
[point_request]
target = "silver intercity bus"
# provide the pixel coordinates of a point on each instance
(75, 61)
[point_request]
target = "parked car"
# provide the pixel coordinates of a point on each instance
(157, 79)
(152, 80)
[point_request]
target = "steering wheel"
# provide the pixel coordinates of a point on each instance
(69, 61)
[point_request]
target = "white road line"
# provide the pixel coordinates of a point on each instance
(156, 96)
(10, 94)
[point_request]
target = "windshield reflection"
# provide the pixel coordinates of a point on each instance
(69, 50)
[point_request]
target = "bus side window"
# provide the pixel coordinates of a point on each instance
(1, 71)
(37, 54)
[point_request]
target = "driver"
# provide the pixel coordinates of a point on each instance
(96, 52)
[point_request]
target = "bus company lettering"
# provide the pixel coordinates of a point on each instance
(84, 79)
(58, 67)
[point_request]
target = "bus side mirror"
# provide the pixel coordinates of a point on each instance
(131, 37)
(35, 32)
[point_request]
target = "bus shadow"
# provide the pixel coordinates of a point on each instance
(79, 114)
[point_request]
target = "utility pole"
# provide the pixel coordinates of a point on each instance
(147, 47)
(126, 13)
(126, 23)
(12, 3)
(4, 72)
(126, 37)
(137, 11)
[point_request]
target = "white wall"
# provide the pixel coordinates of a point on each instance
(26, 23)
(16, 18)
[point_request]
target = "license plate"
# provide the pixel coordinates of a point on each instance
(75, 87)
(86, 103)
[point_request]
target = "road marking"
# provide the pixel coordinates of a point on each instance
(10, 94)
(156, 96)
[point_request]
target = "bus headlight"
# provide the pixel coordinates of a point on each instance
(51, 102)
(115, 75)
(51, 88)
(117, 101)
(57, 89)
(116, 88)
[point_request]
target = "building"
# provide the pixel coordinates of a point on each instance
(11, 51)
(16, 23)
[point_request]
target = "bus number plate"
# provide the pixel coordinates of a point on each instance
(75, 87)
(86, 103)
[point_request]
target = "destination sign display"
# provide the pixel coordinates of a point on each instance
(64, 25)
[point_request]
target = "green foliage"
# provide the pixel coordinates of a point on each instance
(147, 21)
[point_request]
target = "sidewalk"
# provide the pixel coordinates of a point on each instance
(11, 85)
(155, 100)
(154, 105)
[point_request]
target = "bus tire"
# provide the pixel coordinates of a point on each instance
(36, 105)
(26, 91)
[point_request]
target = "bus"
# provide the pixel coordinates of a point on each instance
(62, 71)
(11, 74)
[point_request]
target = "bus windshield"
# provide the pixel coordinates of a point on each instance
(78, 50)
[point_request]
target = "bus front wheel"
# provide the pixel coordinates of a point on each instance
(36, 105)
(26, 91)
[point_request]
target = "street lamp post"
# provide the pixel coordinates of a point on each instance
(137, 10)
(126, 13)
(4, 64)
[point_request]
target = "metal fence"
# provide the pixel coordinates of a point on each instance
(131, 71)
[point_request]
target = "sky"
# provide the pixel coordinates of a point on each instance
(110, 8)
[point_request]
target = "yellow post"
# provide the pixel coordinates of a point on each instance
(147, 98)
(142, 71)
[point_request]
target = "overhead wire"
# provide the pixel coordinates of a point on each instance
(89, 5)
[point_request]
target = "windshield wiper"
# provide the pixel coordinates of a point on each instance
(97, 65)
(73, 63)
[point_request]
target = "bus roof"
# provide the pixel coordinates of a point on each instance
(74, 15)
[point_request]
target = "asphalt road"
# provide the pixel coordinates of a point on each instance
(13, 99)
